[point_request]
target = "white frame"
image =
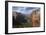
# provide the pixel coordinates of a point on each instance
(14, 30)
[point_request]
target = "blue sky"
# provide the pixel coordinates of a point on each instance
(23, 10)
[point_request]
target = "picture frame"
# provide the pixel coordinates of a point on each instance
(8, 11)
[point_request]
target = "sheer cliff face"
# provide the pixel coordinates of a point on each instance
(14, 14)
(36, 18)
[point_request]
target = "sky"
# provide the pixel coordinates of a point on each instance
(23, 10)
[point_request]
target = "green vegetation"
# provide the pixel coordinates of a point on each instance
(24, 25)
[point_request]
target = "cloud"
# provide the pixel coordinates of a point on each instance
(23, 10)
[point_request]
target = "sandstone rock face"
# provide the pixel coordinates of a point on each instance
(36, 18)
